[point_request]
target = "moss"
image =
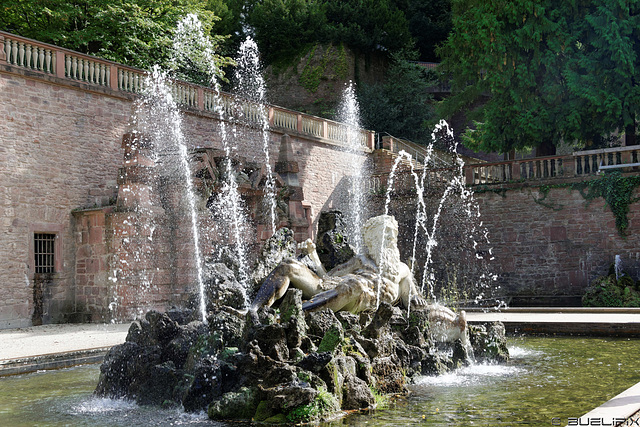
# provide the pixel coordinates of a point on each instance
(234, 405)
(228, 351)
(607, 291)
(332, 339)
(325, 403)
(263, 411)
(277, 419)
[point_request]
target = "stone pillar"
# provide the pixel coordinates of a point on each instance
(299, 211)
(287, 166)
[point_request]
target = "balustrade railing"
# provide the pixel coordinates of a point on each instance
(580, 163)
(66, 64)
(25, 53)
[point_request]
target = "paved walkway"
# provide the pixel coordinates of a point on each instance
(56, 346)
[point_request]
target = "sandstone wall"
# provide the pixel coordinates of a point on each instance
(545, 252)
(557, 249)
(61, 151)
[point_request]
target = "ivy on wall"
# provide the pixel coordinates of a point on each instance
(616, 190)
(312, 74)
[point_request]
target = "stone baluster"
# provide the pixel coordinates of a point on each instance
(54, 62)
(47, 62)
(4, 43)
(85, 76)
(41, 58)
(38, 58)
(67, 66)
(74, 68)
(136, 82)
(21, 54)
(35, 54)
(28, 56)
(14, 52)
(103, 74)
(112, 84)
(131, 81)
(92, 71)
(120, 79)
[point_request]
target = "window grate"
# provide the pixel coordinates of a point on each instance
(44, 252)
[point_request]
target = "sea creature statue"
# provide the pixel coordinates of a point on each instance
(361, 283)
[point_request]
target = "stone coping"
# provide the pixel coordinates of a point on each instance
(614, 322)
(630, 310)
(622, 410)
(30, 364)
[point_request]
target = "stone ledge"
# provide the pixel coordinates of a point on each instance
(29, 364)
(625, 406)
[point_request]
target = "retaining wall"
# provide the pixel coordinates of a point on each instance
(61, 152)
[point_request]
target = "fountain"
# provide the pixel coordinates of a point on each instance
(349, 114)
(300, 363)
(250, 86)
(288, 364)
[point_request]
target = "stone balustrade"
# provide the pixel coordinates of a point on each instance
(578, 164)
(24, 53)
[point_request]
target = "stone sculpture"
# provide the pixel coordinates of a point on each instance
(361, 283)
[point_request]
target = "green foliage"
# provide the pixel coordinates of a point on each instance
(134, 32)
(324, 403)
(368, 25)
(606, 291)
(382, 400)
(617, 190)
(401, 106)
(285, 27)
(429, 24)
(553, 70)
(333, 59)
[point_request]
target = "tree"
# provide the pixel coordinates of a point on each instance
(429, 24)
(283, 28)
(539, 63)
(134, 32)
(401, 106)
(368, 25)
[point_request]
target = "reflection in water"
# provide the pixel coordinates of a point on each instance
(546, 378)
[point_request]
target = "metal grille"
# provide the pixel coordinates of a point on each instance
(43, 252)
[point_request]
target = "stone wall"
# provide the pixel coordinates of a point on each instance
(61, 152)
(544, 253)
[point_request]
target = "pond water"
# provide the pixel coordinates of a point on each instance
(547, 377)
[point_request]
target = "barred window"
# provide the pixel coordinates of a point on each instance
(43, 251)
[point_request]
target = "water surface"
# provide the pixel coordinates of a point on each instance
(546, 378)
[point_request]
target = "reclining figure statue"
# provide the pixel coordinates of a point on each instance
(361, 283)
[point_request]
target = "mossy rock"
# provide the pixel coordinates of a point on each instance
(277, 419)
(606, 291)
(324, 405)
(332, 340)
(234, 405)
(264, 411)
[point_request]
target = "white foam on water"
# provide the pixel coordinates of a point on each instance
(469, 375)
(519, 352)
(101, 405)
